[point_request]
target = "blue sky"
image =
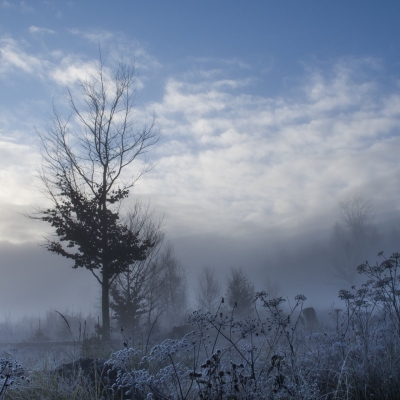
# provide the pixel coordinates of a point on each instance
(272, 112)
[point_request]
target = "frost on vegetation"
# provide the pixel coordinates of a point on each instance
(270, 355)
(12, 374)
(222, 358)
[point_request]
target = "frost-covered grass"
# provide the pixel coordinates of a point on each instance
(267, 355)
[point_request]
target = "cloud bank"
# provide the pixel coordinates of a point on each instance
(239, 172)
(234, 162)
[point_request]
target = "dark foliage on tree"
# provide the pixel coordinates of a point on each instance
(128, 302)
(83, 162)
(79, 223)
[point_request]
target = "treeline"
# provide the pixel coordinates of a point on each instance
(153, 293)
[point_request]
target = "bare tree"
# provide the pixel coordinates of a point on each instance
(272, 288)
(174, 292)
(343, 254)
(84, 158)
(209, 290)
(357, 215)
(352, 236)
(132, 290)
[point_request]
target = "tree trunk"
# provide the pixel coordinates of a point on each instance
(105, 286)
(105, 306)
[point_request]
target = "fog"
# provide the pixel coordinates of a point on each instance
(35, 281)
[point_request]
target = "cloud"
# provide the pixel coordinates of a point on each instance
(25, 8)
(239, 163)
(63, 69)
(235, 62)
(114, 44)
(95, 36)
(236, 162)
(17, 167)
(36, 30)
(67, 68)
(12, 56)
(6, 4)
(72, 69)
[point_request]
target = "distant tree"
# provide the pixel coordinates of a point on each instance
(83, 162)
(357, 215)
(352, 237)
(173, 292)
(130, 298)
(209, 291)
(240, 291)
(272, 288)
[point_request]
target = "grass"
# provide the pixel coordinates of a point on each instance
(267, 356)
(354, 355)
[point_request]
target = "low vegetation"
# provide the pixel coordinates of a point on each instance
(270, 354)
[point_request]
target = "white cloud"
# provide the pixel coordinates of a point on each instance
(274, 161)
(25, 8)
(36, 30)
(68, 68)
(17, 167)
(224, 61)
(72, 69)
(6, 4)
(96, 36)
(63, 69)
(231, 160)
(13, 56)
(113, 45)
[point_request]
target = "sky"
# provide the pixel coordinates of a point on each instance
(271, 113)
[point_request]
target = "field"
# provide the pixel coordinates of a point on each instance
(271, 355)
(276, 350)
